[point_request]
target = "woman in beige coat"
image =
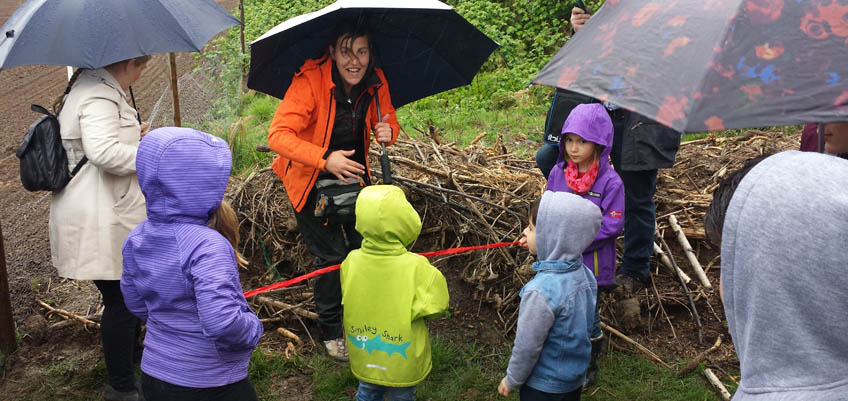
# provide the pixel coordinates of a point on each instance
(94, 213)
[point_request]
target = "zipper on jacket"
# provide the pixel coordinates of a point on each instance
(356, 105)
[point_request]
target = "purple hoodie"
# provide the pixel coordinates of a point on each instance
(592, 123)
(181, 276)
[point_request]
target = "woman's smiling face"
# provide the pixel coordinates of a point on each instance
(352, 56)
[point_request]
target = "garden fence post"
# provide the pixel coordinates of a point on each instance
(8, 343)
(175, 90)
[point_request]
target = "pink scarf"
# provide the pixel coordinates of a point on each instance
(580, 184)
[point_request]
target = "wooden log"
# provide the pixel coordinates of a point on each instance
(698, 359)
(725, 395)
(667, 263)
(640, 347)
(286, 307)
(690, 253)
(67, 315)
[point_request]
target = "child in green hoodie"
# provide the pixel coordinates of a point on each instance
(387, 293)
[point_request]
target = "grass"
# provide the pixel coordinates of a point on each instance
(468, 372)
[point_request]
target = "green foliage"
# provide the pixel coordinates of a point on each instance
(529, 32)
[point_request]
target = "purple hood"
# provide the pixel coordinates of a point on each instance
(181, 276)
(592, 123)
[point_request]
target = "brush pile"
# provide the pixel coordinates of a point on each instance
(479, 195)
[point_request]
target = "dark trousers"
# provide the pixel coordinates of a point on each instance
(330, 245)
(528, 393)
(119, 330)
(546, 158)
(640, 212)
(154, 389)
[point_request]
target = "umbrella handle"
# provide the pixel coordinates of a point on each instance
(385, 166)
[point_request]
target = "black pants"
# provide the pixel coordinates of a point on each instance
(528, 393)
(330, 245)
(640, 212)
(119, 330)
(154, 389)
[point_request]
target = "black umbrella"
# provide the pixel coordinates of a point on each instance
(424, 47)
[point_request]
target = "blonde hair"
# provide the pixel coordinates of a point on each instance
(225, 221)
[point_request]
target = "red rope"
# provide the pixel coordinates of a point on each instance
(450, 251)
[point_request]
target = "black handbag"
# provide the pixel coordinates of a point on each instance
(335, 200)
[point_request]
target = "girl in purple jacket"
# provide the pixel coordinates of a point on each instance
(584, 168)
(181, 275)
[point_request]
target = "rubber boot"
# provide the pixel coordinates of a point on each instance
(592, 370)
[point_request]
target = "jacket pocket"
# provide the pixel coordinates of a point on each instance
(655, 144)
(129, 207)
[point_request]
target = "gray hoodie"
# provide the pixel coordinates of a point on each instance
(785, 278)
(552, 347)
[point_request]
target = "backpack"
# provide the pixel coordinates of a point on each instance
(44, 163)
(561, 105)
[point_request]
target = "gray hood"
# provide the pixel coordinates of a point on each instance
(565, 226)
(785, 277)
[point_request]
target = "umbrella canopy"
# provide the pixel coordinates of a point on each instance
(697, 65)
(96, 33)
(423, 46)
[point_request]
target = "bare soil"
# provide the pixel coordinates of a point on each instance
(24, 217)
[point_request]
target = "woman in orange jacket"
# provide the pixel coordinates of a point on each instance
(321, 134)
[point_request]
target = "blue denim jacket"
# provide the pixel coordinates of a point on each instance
(555, 318)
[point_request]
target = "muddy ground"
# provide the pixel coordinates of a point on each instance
(24, 217)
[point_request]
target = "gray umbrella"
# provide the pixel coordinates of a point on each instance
(96, 33)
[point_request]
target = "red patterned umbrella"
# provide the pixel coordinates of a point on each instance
(698, 65)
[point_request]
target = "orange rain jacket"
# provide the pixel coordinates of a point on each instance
(301, 128)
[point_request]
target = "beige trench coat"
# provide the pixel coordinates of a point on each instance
(94, 213)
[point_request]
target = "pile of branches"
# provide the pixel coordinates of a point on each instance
(480, 194)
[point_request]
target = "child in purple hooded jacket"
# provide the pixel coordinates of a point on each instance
(583, 168)
(181, 276)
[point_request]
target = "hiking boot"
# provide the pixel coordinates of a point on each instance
(592, 371)
(110, 394)
(630, 284)
(337, 349)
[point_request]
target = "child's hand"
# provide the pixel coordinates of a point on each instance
(522, 242)
(503, 389)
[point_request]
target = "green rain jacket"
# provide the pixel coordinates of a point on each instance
(387, 292)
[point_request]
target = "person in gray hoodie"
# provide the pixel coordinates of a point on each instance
(784, 281)
(557, 306)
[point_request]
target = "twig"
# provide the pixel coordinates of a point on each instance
(667, 263)
(725, 395)
(71, 322)
(685, 290)
(635, 344)
(288, 334)
(662, 309)
(698, 359)
(68, 315)
(286, 307)
(690, 253)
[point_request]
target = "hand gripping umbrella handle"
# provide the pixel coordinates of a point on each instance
(384, 157)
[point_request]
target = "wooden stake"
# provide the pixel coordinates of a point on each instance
(175, 89)
(690, 253)
(68, 315)
(667, 263)
(8, 342)
(698, 359)
(725, 395)
(635, 344)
